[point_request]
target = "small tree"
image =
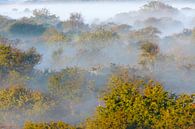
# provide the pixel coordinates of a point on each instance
(43, 16)
(76, 20)
(149, 53)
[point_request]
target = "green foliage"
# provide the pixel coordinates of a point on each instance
(139, 104)
(43, 16)
(74, 24)
(76, 20)
(6, 55)
(145, 34)
(149, 53)
(99, 35)
(14, 59)
(5, 22)
(149, 49)
(127, 103)
(67, 83)
(41, 13)
(158, 6)
(52, 35)
(18, 103)
(123, 28)
(18, 97)
(27, 29)
(15, 78)
(50, 125)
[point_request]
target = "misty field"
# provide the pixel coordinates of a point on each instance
(97, 65)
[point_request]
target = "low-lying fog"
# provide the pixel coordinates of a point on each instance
(168, 20)
(91, 11)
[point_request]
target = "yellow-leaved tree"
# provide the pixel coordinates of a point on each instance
(139, 104)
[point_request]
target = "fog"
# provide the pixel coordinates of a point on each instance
(120, 52)
(110, 35)
(91, 11)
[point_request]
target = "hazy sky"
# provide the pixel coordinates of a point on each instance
(4, 1)
(100, 10)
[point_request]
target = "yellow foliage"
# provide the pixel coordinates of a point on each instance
(52, 35)
(50, 125)
(139, 104)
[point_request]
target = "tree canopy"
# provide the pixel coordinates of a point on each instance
(14, 59)
(140, 104)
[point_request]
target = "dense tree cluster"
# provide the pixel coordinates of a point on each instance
(19, 97)
(26, 29)
(14, 59)
(19, 102)
(68, 83)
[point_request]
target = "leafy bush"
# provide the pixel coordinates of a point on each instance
(50, 125)
(14, 59)
(21, 98)
(149, 49)
(141, 104)
(67, 83)
(146, 34)
(27, 29)
(149, 52)
(52, 35)
(99, 35)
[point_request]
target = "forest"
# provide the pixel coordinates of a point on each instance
(135, 70)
